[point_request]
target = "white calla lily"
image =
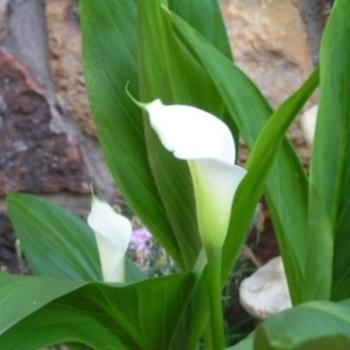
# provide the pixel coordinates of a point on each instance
(113, 234)
(207, 144)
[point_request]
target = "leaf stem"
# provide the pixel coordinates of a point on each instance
(215, 288)
(208, 338)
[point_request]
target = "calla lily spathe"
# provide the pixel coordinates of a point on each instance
(113, 234)
(207, 144)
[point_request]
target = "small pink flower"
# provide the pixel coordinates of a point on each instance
(140, 239)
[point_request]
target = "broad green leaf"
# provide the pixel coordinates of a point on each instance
(286, 188)
(57, 243)
(245, 344)
(205, 16)
(108, 29)
(341, 83)
(134, 316)
(196, 316)
(169, 71)
(311, 326)
(329, 210)
(110, 48)
(18, 298)
(75, 346)
(259, 165)
(63, 322)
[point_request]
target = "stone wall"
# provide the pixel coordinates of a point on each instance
(47, 138)
(276, 42)
(48, 142)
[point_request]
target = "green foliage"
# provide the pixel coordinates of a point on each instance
(57, 243)
(286, 188)
(329, 209)
(110, 51)
(164, 66)
(315, 325)
(178, 51)
(134, 316)
(205, 17)
(245, 344)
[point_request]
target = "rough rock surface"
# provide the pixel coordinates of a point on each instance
(65, 58)
(270, 43)
(4, 13)
(33, 157)
(315, 14)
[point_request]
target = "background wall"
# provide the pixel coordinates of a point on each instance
(47, 138)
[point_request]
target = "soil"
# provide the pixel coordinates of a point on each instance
(8, 257)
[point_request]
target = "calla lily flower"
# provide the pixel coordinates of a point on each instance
(113, 234)
(207, 144)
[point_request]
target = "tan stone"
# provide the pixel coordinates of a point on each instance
(65, 49)
(270, 44)
(4, 13)
(266, 292)
(269, 41)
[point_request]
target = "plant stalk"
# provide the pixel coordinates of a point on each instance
(215, 301)
(208, 341)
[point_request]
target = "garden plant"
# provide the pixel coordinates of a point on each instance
(170, 105)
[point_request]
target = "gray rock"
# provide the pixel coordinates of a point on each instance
(33, 158)
(4, 13)
(266, 291)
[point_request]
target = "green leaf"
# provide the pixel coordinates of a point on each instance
(286, 188)
(18, 298)
(245, 344)
(329, 210)
(196, 316)
(259, 166)
(205, 16)
(134, 316)
(110, 49)
(110, 28)
(75, 346)
(169, 71)
(62, 322)
(56, 243)
(311, 326)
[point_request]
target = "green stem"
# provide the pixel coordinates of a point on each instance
(208, 340)
(215, 289)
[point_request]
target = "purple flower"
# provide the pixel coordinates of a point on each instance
(140, 239)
